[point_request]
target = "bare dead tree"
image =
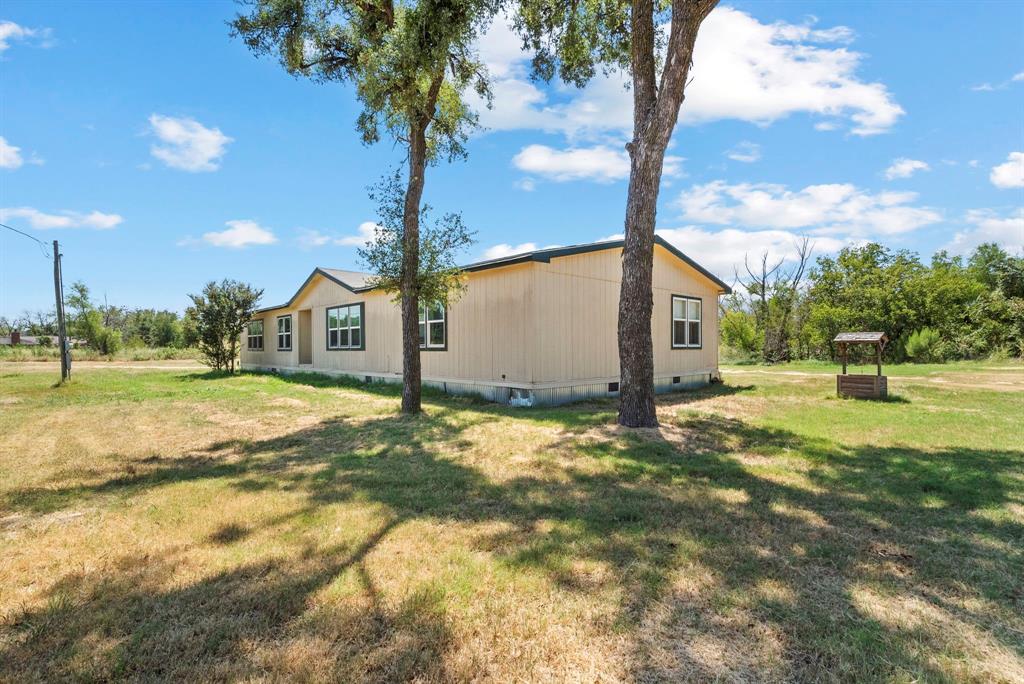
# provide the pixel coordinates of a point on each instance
(773, 293)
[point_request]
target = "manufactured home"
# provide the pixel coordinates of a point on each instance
(532, 328)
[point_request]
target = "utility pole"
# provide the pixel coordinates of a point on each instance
(58, 291)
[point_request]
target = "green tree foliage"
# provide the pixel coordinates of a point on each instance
(951, 309)
(78, 305)
(221, 313)
(92, 323)
(410, 63)
(922, 345)
(438, 278)
(740, 333)
(152, 328)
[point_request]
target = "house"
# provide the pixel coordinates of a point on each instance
(533, 328)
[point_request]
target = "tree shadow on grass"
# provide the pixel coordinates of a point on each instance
(132, 621)
(718, 537)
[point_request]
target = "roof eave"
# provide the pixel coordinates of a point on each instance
(543, 256)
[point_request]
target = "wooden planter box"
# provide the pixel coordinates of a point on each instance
(862, 386)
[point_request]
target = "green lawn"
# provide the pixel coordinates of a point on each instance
(186, 525)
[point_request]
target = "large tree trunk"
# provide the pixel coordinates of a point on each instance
(409, 287)
(636, 298)
(411, 377)
(655, 111)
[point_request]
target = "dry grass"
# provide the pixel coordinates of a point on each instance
(172, 524)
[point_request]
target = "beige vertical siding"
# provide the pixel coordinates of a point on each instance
(270, 356)
(532, 323)
(578, 315)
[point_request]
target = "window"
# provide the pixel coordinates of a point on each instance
(433, 334)
(254, 336)
(686, 318)
(345, 327)
(284, 333)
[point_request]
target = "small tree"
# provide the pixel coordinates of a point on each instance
(80, 304)
(922, 345)
(221, 313)
(411, 62)
(438, 278)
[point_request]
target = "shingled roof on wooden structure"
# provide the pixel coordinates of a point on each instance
(861, 337)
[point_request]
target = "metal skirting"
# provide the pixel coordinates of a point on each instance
(519, 396)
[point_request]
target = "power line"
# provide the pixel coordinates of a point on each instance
(42, 245)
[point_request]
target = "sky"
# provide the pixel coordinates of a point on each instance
(162, 154)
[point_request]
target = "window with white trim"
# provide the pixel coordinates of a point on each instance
(254, 336)
(284, 333)
(686, 322)
(345, 327)
(433, 334)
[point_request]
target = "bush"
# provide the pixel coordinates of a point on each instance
(923, 345)
(108, 342)
(739, 332)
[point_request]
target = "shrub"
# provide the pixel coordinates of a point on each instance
(108, 341)
(740, 332)
(923, 345)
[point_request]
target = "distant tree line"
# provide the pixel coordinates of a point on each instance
(949, 309)
(107, 328)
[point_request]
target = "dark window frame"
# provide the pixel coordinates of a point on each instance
(424, 346)
(249, 337)
(291, 325)
(362, 326)
(672, 322)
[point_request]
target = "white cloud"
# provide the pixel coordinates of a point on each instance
(188, 145)
(973, 163)
(1009, 174)
(526, 184)
(315, 238)
(64, 219)
(745, 152)
(988, 87)
(11, 32)
(743, 69)
(505, 249)
(309, 238)
(364, 233)
(722, 251)
(833, 209)
(600, 163)
(10, 156)
(239, 234)
(990, 226)
(905, 168)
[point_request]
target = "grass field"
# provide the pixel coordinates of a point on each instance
(179, 524)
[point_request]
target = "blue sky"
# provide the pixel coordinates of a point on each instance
(162, 154)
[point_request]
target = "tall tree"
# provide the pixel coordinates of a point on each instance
(573, 39)
(410, 63)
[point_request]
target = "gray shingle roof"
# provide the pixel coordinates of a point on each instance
(861, 337)
(357, 281)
